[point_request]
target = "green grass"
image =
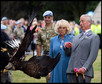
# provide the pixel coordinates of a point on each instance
(97, 69)
(20, 77)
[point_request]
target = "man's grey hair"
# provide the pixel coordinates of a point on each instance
(88, 18)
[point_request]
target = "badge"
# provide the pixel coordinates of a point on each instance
(47, 36)
(61, 46)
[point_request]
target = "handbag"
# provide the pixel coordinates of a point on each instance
(67, 51)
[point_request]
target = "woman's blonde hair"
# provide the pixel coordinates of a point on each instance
(64, 23)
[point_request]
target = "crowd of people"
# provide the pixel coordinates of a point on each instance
(52, 37)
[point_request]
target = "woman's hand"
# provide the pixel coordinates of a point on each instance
(68, 44)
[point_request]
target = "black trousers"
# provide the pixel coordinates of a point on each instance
(100, 35)
(6, 77)
(72, 78)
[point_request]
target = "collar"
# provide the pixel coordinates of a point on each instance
(87, 30)
(49, 27)
(60, 36)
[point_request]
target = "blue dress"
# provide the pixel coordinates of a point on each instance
(58, 74)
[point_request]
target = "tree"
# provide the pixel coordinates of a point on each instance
(69, 10)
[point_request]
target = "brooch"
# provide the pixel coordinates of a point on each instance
(61, 46)
(86, 37)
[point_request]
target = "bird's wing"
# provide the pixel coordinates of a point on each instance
(41, 65)
(50, 66)
(28, 35)
(13, 46)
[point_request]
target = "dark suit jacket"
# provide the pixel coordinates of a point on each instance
(4, 58)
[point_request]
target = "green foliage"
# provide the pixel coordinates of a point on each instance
(91, 5)
(72, 70)
(69, 10)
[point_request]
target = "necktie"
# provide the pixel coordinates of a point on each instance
(82, 34)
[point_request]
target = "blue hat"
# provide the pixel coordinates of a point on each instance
(19, 21)
(4, 18)
(48, 13)
(3, 27)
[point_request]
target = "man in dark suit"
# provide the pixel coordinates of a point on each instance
(5, 76)
(84, 52)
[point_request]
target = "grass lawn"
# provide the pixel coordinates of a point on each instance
(97, 69)
(20, 77)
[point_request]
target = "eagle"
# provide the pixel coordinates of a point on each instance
(36, 66)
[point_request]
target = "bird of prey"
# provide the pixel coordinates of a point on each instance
(36, 66)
